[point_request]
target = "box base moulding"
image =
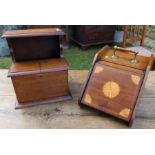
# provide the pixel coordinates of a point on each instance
(85, 46)
(41, 102)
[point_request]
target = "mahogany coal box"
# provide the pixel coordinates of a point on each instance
(115, 82)
(39, 72)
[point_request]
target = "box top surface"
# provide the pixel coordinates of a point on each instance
(37, 66)
(33, 32)
(125, 58)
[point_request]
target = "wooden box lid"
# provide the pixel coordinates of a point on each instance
(37, 66)
(113, 90)
(33, 44)
(114, 85)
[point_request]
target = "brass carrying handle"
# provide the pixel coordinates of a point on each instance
(134, 60)
(125, 50)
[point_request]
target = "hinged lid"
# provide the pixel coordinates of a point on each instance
(34, 44)
(37, 66)
(113, 89)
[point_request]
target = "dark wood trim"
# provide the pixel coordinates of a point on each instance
(10, 49)
(153, 64)
(141, 90)
(11, 74)
(96, 58)
(41, 102)
(85, 46)
(85, 84)
(54, 69)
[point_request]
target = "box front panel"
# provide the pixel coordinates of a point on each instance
(41, 86)
(113, 90)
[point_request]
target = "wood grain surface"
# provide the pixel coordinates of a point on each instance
(41, 86)
(87, 35)
(68, 114)
(32, 32)
(37, 66)
(34, 44)
(125, 58)
(36, 81)
(109, 94)
(115, 80)
(33, 48)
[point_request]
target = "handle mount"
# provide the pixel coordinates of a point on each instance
(134, 60)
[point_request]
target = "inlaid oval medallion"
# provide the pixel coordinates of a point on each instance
(111, 89)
